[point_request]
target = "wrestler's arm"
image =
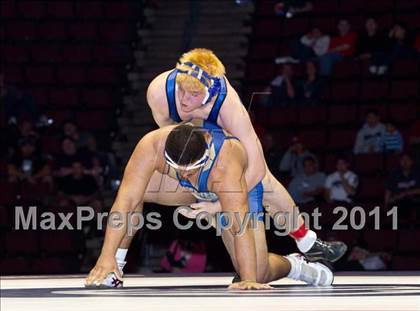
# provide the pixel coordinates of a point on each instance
(228, 182)
(137, 174)
(235, 119)
(157, 101)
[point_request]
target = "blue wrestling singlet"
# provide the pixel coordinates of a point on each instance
(201, 192)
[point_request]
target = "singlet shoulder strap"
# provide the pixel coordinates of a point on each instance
(218, 138)
(170, 96)
(214, 113)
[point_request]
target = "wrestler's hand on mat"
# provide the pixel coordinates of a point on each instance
(246, 285)
(104, 266)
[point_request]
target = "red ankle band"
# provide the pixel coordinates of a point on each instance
(299, 233)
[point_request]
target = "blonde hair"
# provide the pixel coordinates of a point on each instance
(206, 60)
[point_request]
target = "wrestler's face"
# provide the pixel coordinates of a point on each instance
(190, 101)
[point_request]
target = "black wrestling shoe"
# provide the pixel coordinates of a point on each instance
(329, 251)
(236, 278)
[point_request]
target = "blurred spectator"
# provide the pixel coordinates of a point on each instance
(80, 187)
(309, 46)
(18, 104)
(341, 185)
(185, 256)
(289, 8)
(99, 163)
(399, 46)
(370, 136)
(271, 153)
(371, 45)
(309, 185)
(284, 87)
(403, 187)
(311, 85)
(28, 165)
(292, 160)
(341, 46)
(71, 130)
(13, 135)
(64, 161)
(392, 140)
(361, 259)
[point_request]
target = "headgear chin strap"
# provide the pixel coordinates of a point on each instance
(211, 84)
(197, 164)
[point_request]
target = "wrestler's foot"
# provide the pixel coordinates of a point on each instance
(313, 273)
(330, 251)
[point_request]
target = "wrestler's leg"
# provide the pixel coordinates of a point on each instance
(278, 200)
(270, 266)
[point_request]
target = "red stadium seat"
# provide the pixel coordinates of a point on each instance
(263, 50)
(60, 9)
(344, 91)
(84, 120)
(352, 6)
(368, 164)
(77, 54)
(40, 95)
(46, 53)
(13, 54)
(346, 69)
(72, 75)
(83, 31)
(404, 112)
(405, 68)
(408, 240)
(22, 243)
(406, 263)
(406, 4)
(15, 266)
(111, 54)
(326, 6)
(5, 221)
(342, 139)
(97, 98)
(342, 114)
(265, 7)
(13, 73)
(380, 240)
(258, 71)
(404, 89)
(295, 26)
(7, 9)
(50, 265)
(378, 5)
(89, 9)
(312, 115)
(53, 31)
(374, 89)
(392, 162)
(371, 189)
(268, 28)
(8, 193)
(31, 9)
(34, 192)
(64, 242)
(59, 116)
(40, 75)
(64, 97)
(411, 19)
(115, 32)
(314, 139)
(281, 116)
(120, 10)
(21, 30)
(102, 75)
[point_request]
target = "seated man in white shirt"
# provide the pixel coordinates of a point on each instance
(341, 185)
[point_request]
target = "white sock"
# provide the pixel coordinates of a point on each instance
(294, 268)
(304, 244)
(120, 256)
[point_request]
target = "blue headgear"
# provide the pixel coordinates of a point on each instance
(211, 84)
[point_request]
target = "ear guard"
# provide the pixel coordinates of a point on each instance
(211, 84)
